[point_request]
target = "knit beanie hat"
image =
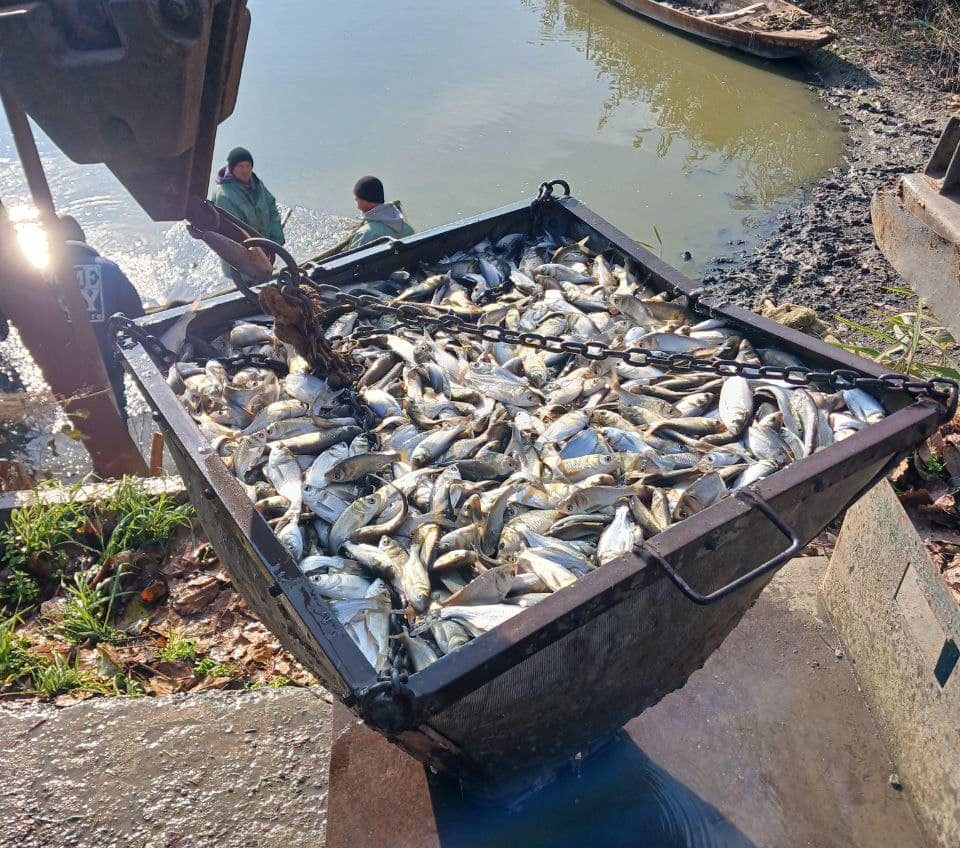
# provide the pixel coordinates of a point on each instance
(237, 155)
(369, 189)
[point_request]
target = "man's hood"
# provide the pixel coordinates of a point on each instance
(80, 251)
(386, 213)
(224, 176)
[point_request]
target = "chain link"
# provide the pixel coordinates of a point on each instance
(128, 334)
(941, 390)
(255, 360)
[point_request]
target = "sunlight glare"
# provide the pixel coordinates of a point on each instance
(31, 235)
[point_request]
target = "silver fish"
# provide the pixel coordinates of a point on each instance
(354, 467)
(620, 536)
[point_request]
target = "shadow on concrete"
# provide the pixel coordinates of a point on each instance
(619, 798)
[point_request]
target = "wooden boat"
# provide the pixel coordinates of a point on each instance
(772, 29)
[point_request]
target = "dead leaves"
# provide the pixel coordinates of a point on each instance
(945, 555)
(154, 591)
(184, 590)
(192, 597)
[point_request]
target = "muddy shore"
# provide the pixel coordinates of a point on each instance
(823, 253)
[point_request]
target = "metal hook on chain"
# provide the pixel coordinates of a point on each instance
(545, 192)
(268, 244)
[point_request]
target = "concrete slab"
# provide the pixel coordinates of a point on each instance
(768, 745)
(219, 769)
(902, 628)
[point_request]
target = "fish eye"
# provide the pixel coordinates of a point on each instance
(372, 500)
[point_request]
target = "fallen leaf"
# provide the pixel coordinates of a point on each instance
(72, 698)
(223, 575)
(196, 595)
(915, 497)
(946, 503)
(175, 669)
(52, 610)
(160, 685)
(154, 591)
(209, 683)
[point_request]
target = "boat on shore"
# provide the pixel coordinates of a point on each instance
(772, 29)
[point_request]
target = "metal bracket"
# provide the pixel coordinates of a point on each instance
(138, 86)
(944, 164)
(752, 499)
(389, 706)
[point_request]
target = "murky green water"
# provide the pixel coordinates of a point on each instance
(465, 106)
(462, 107)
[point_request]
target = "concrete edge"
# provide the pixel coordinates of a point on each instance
(10, 501)
(901, 630)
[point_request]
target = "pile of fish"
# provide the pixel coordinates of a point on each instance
(460, 480)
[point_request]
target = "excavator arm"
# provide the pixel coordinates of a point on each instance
(139, 85)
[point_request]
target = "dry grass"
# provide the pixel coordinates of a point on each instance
(925, 33)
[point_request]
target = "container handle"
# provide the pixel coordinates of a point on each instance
(752, 499)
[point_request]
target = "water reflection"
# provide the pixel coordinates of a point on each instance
(747, 111)
(620, 798)
(462, 107)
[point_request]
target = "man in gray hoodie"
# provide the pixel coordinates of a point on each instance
(379, 218)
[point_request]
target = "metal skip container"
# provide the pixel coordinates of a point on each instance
(504, 709)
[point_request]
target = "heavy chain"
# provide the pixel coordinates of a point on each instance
(941, 390)
(128, 334)
(254, 360)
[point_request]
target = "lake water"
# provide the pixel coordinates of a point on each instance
(462, 107)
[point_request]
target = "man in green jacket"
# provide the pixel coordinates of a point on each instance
(240, 192)
(379, 218)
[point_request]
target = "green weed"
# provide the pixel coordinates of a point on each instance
(15, 659)
(21, 591)
(84, 616)
(909, 342)
(178, 649)
(659, 244)
(276, 683)
(209, 667)
(935, 466)
(143, 518)
(59, 677)
(124, 684)
(39, 531)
